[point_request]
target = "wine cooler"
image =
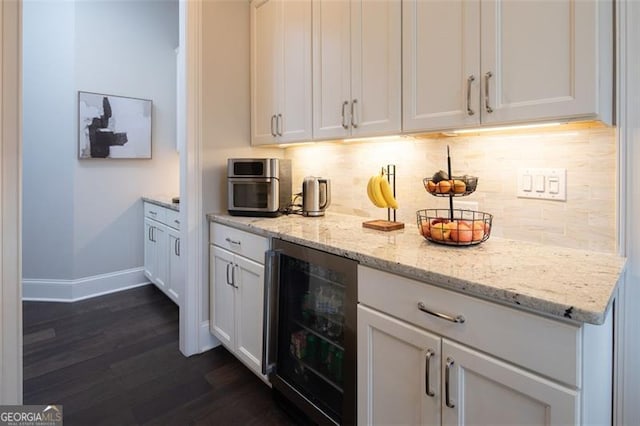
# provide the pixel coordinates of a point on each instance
(309, 349)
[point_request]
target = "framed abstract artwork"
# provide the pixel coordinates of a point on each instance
(113, 126)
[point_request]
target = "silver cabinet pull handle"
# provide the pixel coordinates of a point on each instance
(457, 319)
(230, 241)
(427, 362)
(178, 247)
(153, 234)
(228, 281)
(279, 125)
(470, 80)
(175, 247)
(149, 233)
(344, 125)
(447, 371)
(177, 222)
(487, 107)
(233, 276)
(152, 212)
(273, 132)
(353, 114)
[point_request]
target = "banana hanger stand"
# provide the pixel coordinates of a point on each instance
(387, 225)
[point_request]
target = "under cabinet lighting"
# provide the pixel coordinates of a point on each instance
(390, 138)
(503, 128)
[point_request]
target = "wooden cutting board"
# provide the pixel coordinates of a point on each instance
(383, 225)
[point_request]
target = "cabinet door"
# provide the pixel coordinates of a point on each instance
(398, 372)
(149, 250)
(484, 390)
(295, 76)
(541, 58)
(441, 64)
(331, 69)
(161, 241)
(156, 256)
(248, 277)
(175, 275)
(221, 297)
(266, 54)
(376, 58)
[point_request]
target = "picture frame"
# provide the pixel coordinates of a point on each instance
(113, 127)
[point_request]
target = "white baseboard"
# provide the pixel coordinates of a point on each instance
(206, 339)
(44, 290)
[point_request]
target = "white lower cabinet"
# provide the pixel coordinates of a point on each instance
(237, 293)
(162, 263)
(223, 316)
(176, 271)
(478, 363)
(484, 390)
(412, 376)
(398, 364)
(155, 255)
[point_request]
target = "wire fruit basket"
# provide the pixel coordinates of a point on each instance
(445, 186)
(454, 227)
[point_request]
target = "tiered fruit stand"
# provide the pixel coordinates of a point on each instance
(455, 227)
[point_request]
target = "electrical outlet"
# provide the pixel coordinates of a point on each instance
(465, 205)
(546, 184)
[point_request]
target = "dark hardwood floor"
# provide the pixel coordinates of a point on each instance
(114, 360)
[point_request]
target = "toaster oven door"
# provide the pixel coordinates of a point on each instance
(253, 195)
(253, 168)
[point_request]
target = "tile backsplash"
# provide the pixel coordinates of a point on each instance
(586, 220)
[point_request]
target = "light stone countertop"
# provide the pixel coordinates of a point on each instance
(162, 201)
(561, 282)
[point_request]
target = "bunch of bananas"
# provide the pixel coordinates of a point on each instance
(380, 193)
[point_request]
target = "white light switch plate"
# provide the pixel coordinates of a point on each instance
(542, 183)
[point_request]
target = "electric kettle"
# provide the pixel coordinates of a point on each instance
(316, 195)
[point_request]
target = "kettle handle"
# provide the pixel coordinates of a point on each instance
(327, 200)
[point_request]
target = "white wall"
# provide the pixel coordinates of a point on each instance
(49, 144)
(225, 107)
(124, 48)
(84, 218)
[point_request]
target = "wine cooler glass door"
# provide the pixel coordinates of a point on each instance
(316, 336)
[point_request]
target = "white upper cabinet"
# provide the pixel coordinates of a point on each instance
(494, 62)
(541, 60)
(331, 69)
(441, 64)
(264, 72)
(280, 71)
(376, 64)
(357, 68)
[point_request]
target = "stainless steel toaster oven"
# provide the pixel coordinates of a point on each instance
(258, 186)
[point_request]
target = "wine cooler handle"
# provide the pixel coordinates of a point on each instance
(269, 314)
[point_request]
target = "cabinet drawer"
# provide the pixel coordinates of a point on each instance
(549, 347)
(240, 242)
(172, 218)
(155, 212)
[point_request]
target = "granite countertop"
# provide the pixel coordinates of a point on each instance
(561, 282)
(162, 201)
